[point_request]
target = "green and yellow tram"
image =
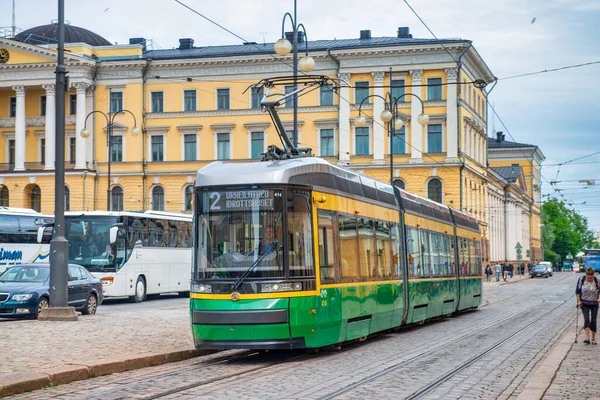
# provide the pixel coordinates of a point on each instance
(301, 253)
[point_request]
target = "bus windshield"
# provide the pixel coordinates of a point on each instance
(592, 259)
(89, 243)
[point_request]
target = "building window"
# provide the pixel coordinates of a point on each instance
(361, 92)
(11, 153)
(116, 151)
(189, 100)
(257, 95)
(4, 197)
(72, 104)
(327, 147)
(36, 198)
(434, 190)
(258, 144)
(157, 102)
(67, 199)
(362, 141)
(189, 145)
(43, 106)
(399, 141)
(434, 138)
(399, 183)
(222, 99)
(434, 89)
(72, 150)
(289, 102)
(326, 95)
(43, 150)
(116, 101)
(188, 194)
(222, 146)
(12, 107)
(398, 89)
(116, 199)
(157, 148)
(158, 198)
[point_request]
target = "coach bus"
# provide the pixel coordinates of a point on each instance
(302, 253)
(135, 254)
(590, 258)
(18, 231)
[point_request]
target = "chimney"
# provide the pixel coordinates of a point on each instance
(365, 34)
(290, 36)
(499, 137)
(404, 32)
(138, 40)
(186, 43)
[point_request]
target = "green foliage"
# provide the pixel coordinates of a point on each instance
(565, 231)
(549, 255)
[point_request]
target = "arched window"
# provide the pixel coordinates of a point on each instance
(434, 190)
(36, 198)
(116, 201)
(67, 198)
(158, 199)
(399, 183)
(4, 197)
(188, 195)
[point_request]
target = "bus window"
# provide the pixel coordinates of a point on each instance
(327, 259)
(348, 247)
(9, 230)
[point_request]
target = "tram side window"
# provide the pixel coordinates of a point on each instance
(367, 261)
(414, 253)
(478, 263)
(453, 261)
(327, 261)
(475, 258)
(301, 260)
(463, 252)
(348, 248)
(384, 250)
(398, 251)
(435, 250)
(445, 255)
(426, 261)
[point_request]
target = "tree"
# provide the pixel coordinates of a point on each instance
(565, 231)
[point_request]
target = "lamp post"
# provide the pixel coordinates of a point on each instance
(85, 133)
(391, 116)
(306, 64)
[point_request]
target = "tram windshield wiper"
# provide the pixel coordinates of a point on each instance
(254, 264)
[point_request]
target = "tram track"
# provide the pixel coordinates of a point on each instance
(428, 388)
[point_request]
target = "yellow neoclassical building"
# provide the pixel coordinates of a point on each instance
(192, 106)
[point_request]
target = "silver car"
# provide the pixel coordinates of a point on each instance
(548, 266)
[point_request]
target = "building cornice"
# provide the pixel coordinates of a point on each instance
(245, 111)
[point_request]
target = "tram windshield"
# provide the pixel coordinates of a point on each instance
(242, 231)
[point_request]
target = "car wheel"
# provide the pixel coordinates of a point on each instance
(90, 306)
(42, 303)
(140, 291)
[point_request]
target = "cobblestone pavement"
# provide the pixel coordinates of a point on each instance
(392, 365)
(103, 336)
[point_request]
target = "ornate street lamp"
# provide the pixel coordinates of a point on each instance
(390, 115)
(306, 64)
(85, 133)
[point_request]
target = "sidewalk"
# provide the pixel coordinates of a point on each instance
(515, 278)
(118, 338)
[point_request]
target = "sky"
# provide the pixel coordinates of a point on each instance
(557, 111)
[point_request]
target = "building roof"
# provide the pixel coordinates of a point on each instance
(501, 143)
(511, 174)
(267, 48)
(48, 34)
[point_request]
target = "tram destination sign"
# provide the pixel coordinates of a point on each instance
(242, 200)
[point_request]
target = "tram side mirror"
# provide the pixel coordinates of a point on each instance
(114, 230)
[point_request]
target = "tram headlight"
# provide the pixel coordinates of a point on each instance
(280, 287)
(201, 288)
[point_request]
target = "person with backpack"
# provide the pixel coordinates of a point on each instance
(488, 272)
(588, 297)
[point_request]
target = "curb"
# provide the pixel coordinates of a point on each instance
(20, 382)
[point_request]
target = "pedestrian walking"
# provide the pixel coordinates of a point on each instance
(488, 272)
(505, 271)
(522, 268)
(588, 297)
(497, 268)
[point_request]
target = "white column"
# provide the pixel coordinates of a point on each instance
(344, 118)
(20, 129)
(451, 115)
(416, 130)
(89, 106)
(50, 125)
(80, 143)
(378, 124)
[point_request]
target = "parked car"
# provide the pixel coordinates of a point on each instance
(548, 266)
(24, 290)
(539, 270)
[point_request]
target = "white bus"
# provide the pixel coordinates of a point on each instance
(18, 231)
(153, 250)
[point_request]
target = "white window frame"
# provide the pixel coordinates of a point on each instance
(68, 136)
(256, 127)
(152, 104)
(42, 108)
(222, 128)
(427, 187)
(190, 130)
(289, 126)
(119, 130)
(8, 136)
(118, 89)
(40, 135)
(435, 121)
(217, 99)
(183, 99)
(10, 99)
(187, 185)
(368, 125)
(154, 186)
(326, 124)
(73, 112)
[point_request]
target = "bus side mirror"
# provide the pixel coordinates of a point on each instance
(114, 230)
(40, 234)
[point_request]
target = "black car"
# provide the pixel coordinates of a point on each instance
(539, 270)
(24, 290)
